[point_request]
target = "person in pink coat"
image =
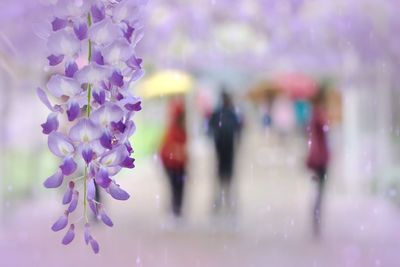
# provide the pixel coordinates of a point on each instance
(318, 154)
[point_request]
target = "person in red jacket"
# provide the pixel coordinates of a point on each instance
(173, 153)
(318, 155)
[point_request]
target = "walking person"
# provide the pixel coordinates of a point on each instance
(224, 126)
(318, 156)
(173, 154)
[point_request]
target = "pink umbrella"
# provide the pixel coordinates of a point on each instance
(297, 85)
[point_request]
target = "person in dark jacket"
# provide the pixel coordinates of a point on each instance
(318, 155)
(173, 154)
(224, 126)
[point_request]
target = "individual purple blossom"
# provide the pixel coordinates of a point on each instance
(51, 123)
(68, 194)
(95, 99)
(116, 192)
(61, 223)
(104, 217)
(74, 201)
(69, 236)
(64, 43)
(90, 240)
(54, 180)
(94, 245)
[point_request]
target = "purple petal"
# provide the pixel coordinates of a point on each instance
(98, 12)
(119, 96)
(117, 79)
(104, 217)
(51, 124)
(106, 114)
(60, 145)
(87, 154)
(68, 8)
(58, 24)
(114, 157)
(85, 131)
(68, 166)
(134, 62)
(86, 233)
(69, 236)
(70, 69)
(81, 30)
(102, 178)
(73, 111)
(129, 130)
(128, 163)
(97, 57)
(60, 223)
(128, 32)
(117, 193)
(104, 32)
(134, 106)
(106, 85)
(116, 52)
(94, 245)
(91, 189)
(119, 126)
(99, 96)
(137, 75)
(126, 10)
(129, 147)
(113, 170)
(59, 85)
(68, 195)
(43, 97)
(93, 206)
(63, 42)
(55, 180)
(74, 202)
(106, 140)
(93, 74)
(137, 37)
(55, 60)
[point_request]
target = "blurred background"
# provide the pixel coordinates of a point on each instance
(271, 57)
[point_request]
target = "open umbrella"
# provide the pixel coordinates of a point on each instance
(262, 91)
(165, 83)
(297, 85)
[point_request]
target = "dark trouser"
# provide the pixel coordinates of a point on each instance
(225, 159)
(320, 179)
(177, 183)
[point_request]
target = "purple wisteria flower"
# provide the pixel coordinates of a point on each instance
(95, 99)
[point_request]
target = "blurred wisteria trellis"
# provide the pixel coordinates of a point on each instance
(316, 36)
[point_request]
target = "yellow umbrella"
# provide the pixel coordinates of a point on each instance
(165, 83)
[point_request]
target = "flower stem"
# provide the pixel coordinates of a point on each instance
(89, 95)
(89, 19)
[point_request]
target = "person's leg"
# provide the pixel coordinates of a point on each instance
(318, 200)
(219, 191)
(179, 185)
(171, 180)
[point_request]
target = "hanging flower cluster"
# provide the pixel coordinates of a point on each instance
(94, 97)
